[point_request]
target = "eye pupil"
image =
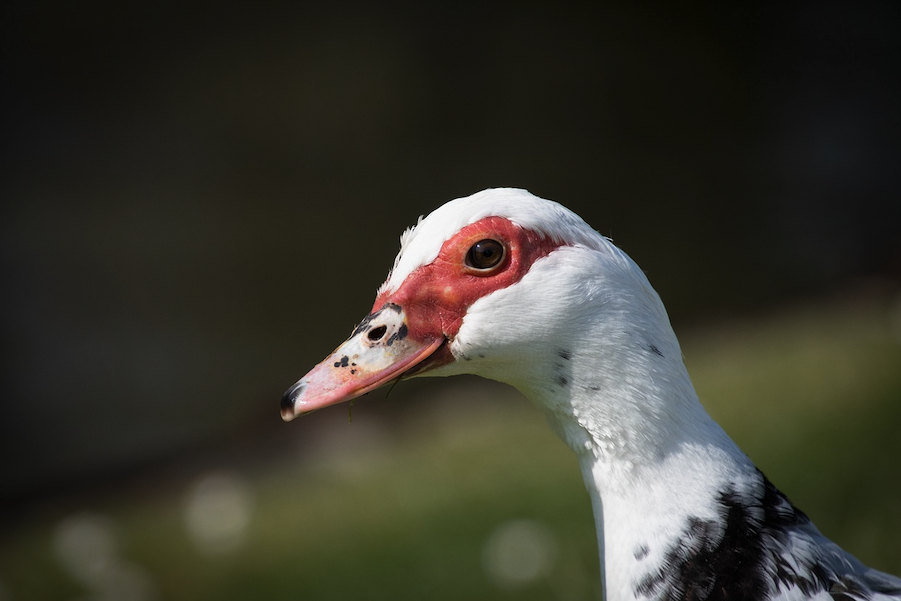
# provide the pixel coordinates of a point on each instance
(485, 254)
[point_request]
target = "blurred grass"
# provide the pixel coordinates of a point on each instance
(403, 510)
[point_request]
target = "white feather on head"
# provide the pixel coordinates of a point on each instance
(420, 244)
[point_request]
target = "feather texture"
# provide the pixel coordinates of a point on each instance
(681, 512)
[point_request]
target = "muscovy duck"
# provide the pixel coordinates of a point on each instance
(515, 288)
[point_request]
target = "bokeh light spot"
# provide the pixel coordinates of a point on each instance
(217, 512)
(518, 553)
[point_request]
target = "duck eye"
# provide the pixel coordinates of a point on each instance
(485, 254)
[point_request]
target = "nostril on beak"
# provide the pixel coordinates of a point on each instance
(376, 334)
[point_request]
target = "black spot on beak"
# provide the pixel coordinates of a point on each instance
(400, 334)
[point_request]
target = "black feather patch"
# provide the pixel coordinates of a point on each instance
(740, 556)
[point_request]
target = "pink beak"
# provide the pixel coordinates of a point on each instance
(379, 350)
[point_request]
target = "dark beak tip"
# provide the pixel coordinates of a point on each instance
(288, 401)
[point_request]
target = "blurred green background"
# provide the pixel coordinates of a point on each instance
(199, 202)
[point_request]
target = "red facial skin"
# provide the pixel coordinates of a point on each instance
(432, 302)
(435, 297)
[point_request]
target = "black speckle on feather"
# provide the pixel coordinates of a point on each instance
(742, 556)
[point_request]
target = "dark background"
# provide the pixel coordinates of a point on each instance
(199, 200)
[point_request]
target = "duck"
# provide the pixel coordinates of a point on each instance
(508, 286)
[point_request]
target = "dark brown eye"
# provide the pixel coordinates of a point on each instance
(485, 254)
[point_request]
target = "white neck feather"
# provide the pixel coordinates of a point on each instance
(599, 356)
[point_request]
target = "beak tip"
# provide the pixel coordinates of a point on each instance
(289, 399)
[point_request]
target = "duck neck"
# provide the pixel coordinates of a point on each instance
(652, 459)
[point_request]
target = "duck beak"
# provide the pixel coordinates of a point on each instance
(378, 351)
